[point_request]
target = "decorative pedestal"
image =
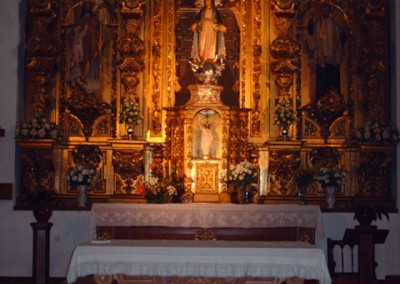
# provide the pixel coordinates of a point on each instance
(205, 94)
(41, 250)
(366, 237)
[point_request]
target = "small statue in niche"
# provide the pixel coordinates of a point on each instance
(85, 44)
(327, 40)
(207, 139)
(208, 47)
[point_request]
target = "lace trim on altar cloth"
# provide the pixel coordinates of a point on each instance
(207, 216)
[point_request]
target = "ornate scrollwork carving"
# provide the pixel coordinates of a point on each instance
(238, 138)
(40, 7)
(373, 171)
(373, 10)
(325, 157)
(373, 65)
(286, 50)
(373, 55)
(87, 114)
(257, 52)
(254, 155)
(284, 8)
(282, 164)
(41, 52)
(128, 165)
(38, 170)
(310, 128)
(133, 8)
(205, 235)
(131, 48)
(284, 47)
(325, 111)
(156, 124)
(305, 238)
(87, 155)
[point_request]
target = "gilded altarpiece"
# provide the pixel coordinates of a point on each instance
(86, 58)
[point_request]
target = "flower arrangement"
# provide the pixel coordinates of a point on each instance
(155, 168)
(159, 191)
(375, 132)
(304, 176)
(331, 177)
(80, 175)
(284, 114)
(241, 174)
(130, 113)
(37, 127)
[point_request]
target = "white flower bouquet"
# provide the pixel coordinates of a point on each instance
(284, 114)
(130, 113)
(241, 174)
(37, 127)
(374, 132)
(331, 177)
(80, 175)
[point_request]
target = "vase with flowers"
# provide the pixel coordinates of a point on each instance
(130, 115)
(36, 128)
(377, 133)
(331, 179)
(159, 190)
(81, 176)
(284, 117)
(242, 179)
(303, 177)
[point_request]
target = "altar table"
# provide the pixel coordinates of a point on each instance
(199, 259)
(206, 216)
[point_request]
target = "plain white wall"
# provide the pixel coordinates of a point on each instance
(70, 227)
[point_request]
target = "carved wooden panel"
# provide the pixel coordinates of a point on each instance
(207, 178)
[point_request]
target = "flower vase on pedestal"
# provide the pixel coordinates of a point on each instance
(330, 196)
(82, 195)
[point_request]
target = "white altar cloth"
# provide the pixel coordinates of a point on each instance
(206, 215)
(199, 259)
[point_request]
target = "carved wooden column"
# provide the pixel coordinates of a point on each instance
(41, 250)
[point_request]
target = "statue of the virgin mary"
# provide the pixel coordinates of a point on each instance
(208, 46)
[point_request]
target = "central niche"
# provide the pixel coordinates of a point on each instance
(184, 36)
(206, 134)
